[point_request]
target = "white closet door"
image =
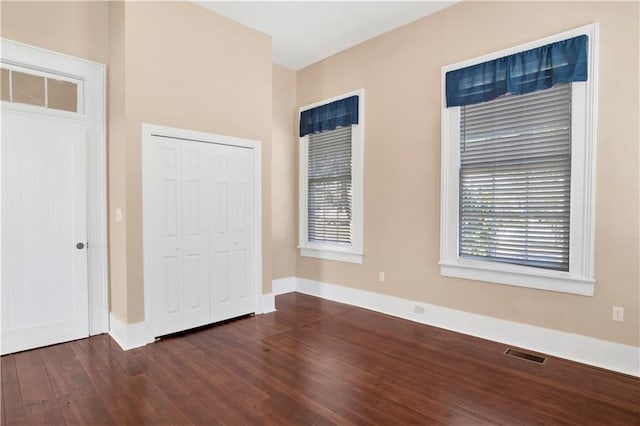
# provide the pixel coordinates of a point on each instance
(232, 208)
(179, 234)
(44, 274)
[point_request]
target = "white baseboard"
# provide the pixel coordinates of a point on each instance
(587, 350)
(283, 285)
(267, 303)
(129, 336)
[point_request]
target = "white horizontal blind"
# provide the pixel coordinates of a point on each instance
(329, 187)
(515, 179)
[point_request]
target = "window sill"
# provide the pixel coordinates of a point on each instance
(541, 280)
(331, 254)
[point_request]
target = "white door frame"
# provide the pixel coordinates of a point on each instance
(148, 132)
(92, 75)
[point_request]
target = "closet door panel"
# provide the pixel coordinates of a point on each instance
(195, 236)
(165, 215)
(231, 233)
(242, 201)
(179, 272)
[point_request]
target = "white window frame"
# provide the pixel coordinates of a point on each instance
(46, 75)
(580, 277)
(354, 252)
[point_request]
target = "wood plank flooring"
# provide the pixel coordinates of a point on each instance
(311, 362)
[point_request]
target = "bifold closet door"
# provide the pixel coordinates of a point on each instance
(179, 226)
(199, 208)
(232, 234)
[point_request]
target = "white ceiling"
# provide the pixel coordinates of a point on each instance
(305, 32)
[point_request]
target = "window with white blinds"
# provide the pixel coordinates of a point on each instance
(515, 179)
(331, 180)
(518, 171)
(329, 192)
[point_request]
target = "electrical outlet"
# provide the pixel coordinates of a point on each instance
(381, 276)
(118, 215)
(418, 309)
(618, 314)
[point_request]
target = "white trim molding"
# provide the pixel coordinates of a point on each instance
(352, 253)
(267, 303)
(129, 336)
(580, 277)
(283, 285)
(587, 350)
(91, 78)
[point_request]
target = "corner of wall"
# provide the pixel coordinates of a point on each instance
(284, 172)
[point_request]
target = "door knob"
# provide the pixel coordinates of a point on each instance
(80, 246)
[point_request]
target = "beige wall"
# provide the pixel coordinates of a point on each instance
(75, 28)
(284, 210)
(176, 64)
(187, 67)
(170, 63)
(400, 72)
(117, 156)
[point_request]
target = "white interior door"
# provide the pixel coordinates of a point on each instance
(180, 242)
(199, 208)
(231, 199)
(44, 273)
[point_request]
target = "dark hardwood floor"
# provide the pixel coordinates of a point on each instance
(311, 362)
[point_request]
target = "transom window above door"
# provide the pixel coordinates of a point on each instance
(30, 87)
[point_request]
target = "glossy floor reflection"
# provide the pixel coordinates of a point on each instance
(311, 362)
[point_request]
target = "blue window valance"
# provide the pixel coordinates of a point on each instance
(343, 112)
(536, 69)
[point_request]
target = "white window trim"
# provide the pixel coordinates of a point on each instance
(352, 253)
(580, 278)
